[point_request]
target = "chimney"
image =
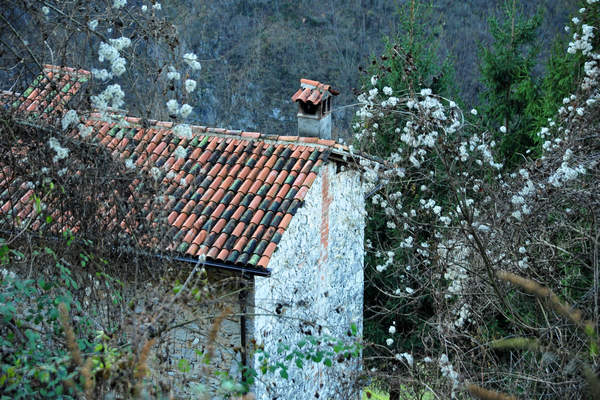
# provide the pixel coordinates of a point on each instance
(314, 108)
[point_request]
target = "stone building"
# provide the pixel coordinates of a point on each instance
(284, 214)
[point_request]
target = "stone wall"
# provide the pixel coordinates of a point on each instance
(180, 354)
(316, 289)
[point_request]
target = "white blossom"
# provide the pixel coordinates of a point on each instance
(61, 152)
(129, 163)
(173, 106)
(185, 110)
(101, 74)
(180, 152)
(191, 59)
(190, 85)
(120, 43)
(111, 96)
(183, 131)
(119, 3)
(157, 6)
(85, 131)
(70, 118)
(93, 24)
(389, 341)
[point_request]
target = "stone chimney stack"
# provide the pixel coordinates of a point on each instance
(314, 108)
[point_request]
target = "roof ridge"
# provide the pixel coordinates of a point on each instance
(233, 133)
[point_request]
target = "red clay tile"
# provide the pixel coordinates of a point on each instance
(307, 139)
(227, 182)
(281, 177)
(255, 203)
(178, 164)
(310, 178)
(220, 240)
(218, 211)
(200, 222)
(263, 262)
(199, 239)
(288, 138)
(301, 193)
(252, 135)
(299, 180)
(258, 214)
(273, 191)
(190, 236)
(192, 250)
(212, 253)
(264, 173)
(189, 222)
(172, 217)
(218, 196)
(238, 213)
(285, 222)
(260, 230)
(269, 250)
(239, 228)
(205, 156)
(180, 220)
(284, 190)
(223, 255)
(240, 244)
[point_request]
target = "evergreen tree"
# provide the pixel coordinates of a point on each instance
(512, 92)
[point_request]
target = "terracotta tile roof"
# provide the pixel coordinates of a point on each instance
(48, 94)
(233, 193)
(312, 92)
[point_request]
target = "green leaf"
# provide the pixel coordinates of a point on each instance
(183, 365)
(328, 362)
(354, 329)
(299, 363)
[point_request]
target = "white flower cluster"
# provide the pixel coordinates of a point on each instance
(455, 255)
(408, 357)
(448, 371)
(180, 152)
(582, 42)
(190, 85)
(93, 24)
(192, 60)
(173, 74)
(61, 152)
(119, 4)
(110, 53)
(112, 96)
(70, 118)
(463, 315)
(389, 261)
(174, 108)
(565, 173)
(101, 74)
(183, 131)
(84, 131)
